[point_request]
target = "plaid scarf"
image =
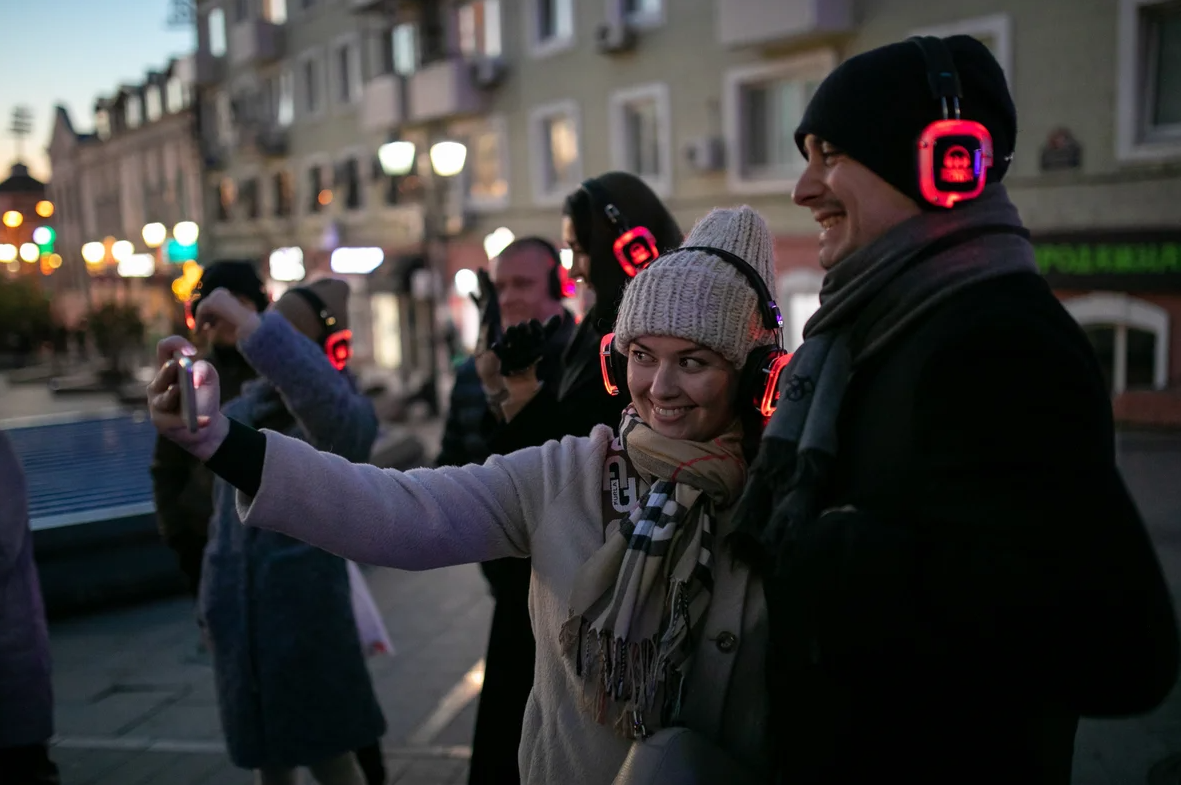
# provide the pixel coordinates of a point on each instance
(639, 602)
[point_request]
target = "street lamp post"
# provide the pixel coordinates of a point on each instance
(447, 160)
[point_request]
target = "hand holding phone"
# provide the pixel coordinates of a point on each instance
(188, 390)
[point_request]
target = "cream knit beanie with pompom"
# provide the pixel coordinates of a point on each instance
(697, 296)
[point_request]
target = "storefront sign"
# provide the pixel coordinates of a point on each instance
(1122, 261)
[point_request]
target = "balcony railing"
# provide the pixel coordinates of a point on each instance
(256, 41)
(447, 88)
(756, 22)
(383, 103)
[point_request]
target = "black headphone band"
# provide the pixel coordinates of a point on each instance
(942, 76)
(536, 241)
(327, 318)
(601, 200)
(767, 304)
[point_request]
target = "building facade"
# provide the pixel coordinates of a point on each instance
(701, 97)
(140, 166)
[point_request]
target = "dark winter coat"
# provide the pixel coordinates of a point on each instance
(993, 571)
(292, 684)
(26, 691)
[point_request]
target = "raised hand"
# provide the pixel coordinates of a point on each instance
(486, 300)
(220, 306)
(523, 344)
(164, 401)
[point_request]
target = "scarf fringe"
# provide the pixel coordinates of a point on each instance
(626, 683)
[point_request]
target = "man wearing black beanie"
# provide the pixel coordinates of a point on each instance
(954, 570)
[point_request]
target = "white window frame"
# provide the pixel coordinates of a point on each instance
(356, 74)
(1124, 311)
(539, 48)
(1130, 113)
(997, 26)
(497, 124)
(620, 155)
(538, 145)
(795, 282)
(301, 107)
(364, 158)
(394, 49)
(286, 77)
(815, 64)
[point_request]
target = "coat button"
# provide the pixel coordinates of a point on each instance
(727, 642)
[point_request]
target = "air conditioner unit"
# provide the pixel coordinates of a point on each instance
(706, 154)
(615, 37)
(488, 71)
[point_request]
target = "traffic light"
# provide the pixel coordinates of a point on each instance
(44, 236)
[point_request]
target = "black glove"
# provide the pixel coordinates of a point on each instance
(489, 305)
(522, 345)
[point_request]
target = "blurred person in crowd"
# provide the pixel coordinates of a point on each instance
(633, 641)
(26, 688)
(953, 567)
(182, 487)
(292, 684)
(596, 219)
(525, 284)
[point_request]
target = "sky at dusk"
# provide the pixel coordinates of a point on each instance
(70, 52)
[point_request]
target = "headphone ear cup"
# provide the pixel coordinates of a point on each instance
(613, 365)
(758, 383)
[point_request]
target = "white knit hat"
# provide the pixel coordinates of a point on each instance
(697, 296)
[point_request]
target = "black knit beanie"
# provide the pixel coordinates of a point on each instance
(239, 277)
(874, 107)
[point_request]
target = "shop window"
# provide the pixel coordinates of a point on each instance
(1130, 338)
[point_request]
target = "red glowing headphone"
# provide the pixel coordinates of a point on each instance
(954, 155)
(634, 247)
(338, 344)
(759, 381)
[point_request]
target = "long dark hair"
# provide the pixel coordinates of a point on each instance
(596, 234)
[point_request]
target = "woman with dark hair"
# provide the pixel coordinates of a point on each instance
(596, 219)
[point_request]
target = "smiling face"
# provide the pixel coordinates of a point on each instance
(680, 389)
(853, 205)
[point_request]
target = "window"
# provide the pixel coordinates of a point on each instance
(479, 28)
(274, 11)
(995, 32)
(217, 32)
(641, 142)
(763, 107)
(102, 124)
(642, 11)
(346, 67)
(241, 10)
(318, 196)
(227, 194)
(487, 166)
(311, 74)
(558, 166)
(176, 94)
(155, 107)
(553, 25)
(348, 182)
(404, 40)
(1130, 338)
(1148, 125)
(283, 194)
(248, 195)
(285, 106)
(134, 112)
(798, 298)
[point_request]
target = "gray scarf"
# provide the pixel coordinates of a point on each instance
(866, 301)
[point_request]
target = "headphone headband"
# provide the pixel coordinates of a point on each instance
(327, 318)
(601, 200)
(942, 76)
(772, 318)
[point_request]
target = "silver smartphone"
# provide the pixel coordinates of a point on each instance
(188, 391)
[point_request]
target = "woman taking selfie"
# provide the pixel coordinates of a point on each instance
(632, 639)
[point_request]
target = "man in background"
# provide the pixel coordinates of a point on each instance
(527, 285)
